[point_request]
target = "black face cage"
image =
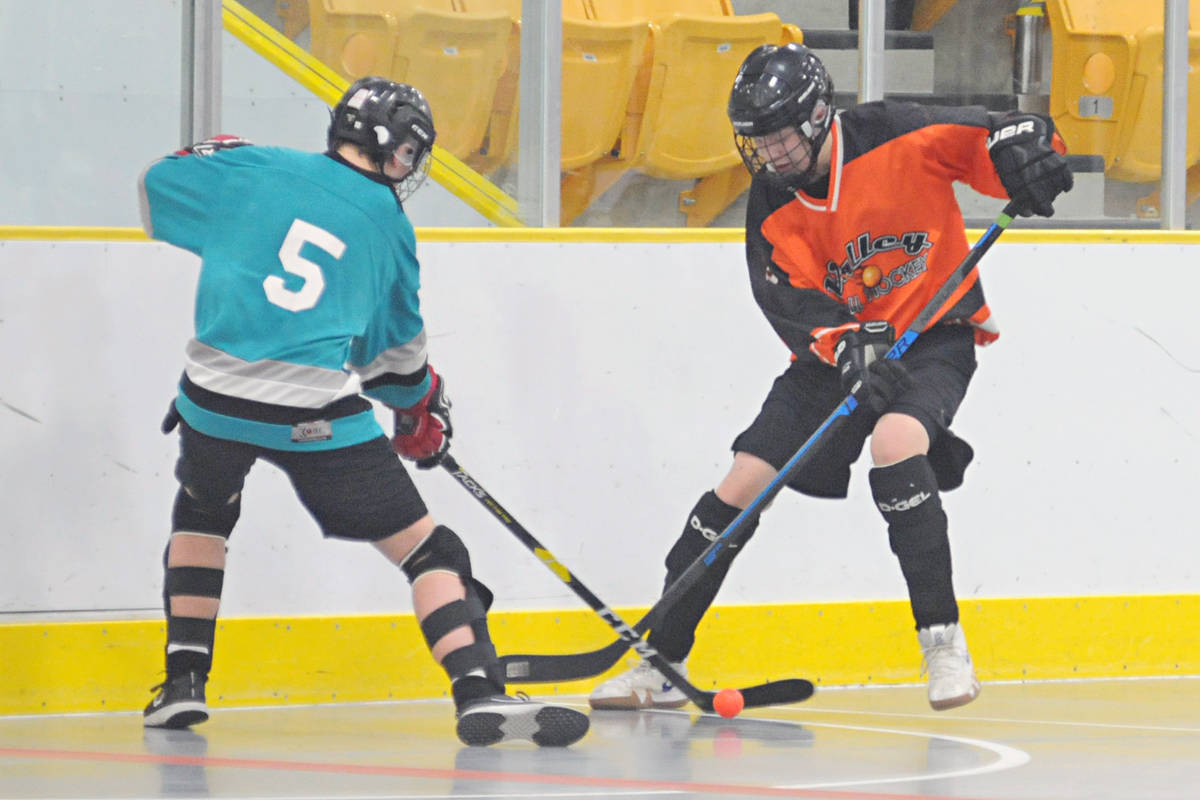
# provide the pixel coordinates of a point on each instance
(758, 165)
(405, 187)
(755, 163)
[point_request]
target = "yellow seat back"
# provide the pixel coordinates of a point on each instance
(685, 131)
(455, 59)
(600, 62)
(1106, 82)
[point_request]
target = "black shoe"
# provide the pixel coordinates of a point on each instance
(179, 702)
(501, 718)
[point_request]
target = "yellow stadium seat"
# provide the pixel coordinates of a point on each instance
(294, 14)
(600, 65)
(1106, 82)
(600, 60)
(455, 59)
(676, 127)
(500, 139)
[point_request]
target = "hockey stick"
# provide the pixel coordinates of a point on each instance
(530, 668)
(791, 690)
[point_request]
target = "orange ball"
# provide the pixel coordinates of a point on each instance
(729, 703)
(871, 276)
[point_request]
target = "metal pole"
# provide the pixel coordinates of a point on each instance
(1027, 57)
(1175, 115)
(872, 21)
(540, 137)
(200, 107)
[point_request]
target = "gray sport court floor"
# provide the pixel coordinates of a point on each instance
(1129, 739)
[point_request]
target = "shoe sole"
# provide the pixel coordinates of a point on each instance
(955, 702)
(631, 702)
(177, 715)
(548, 726)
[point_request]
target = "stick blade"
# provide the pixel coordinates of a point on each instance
(529, 668)
(775, 693)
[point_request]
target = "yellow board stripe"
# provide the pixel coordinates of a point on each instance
(622, 235)
(97, 666)
(462, 181)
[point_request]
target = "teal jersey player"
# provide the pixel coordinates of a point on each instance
(307, 291)
(306, 308)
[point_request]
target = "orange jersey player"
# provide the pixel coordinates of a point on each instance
(861, 252)
(852, 227)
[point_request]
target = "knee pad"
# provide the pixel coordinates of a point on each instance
(444, 551)
(440, 551)
(216, 516)
(907, 495)
(709, 518)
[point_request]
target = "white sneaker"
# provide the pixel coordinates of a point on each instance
(952, 680)
(639, 687)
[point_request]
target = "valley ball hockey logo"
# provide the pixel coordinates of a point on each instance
(861, 249)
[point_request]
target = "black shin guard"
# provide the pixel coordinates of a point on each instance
(189, 644)
(675, 635)
(190, 639)
(907, 495)
(444, 551)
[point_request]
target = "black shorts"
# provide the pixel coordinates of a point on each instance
(356, 492)
(941, 363)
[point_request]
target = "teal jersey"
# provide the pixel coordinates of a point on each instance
(308, 287)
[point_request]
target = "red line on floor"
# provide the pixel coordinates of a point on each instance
(456, 774)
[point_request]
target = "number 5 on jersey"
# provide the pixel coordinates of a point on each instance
(309, 293)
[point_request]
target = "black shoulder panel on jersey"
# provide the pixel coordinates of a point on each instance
(766, 197)
(793, 313)
(869, 125)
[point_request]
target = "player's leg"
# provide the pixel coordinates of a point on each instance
(211, 473)
(642, 686)
(364, 493)
(906, 489)
(797, 403)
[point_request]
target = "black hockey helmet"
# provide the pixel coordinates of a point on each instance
(380, 116)
(777, 88)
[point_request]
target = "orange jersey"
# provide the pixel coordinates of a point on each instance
(886, 235)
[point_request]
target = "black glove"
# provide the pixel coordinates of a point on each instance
(209, 146)
(866, 373)
(1032, 169)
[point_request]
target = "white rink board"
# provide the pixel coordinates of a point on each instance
(596, 388)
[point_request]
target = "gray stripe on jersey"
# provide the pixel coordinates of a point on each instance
(404, 359)
(266, 381)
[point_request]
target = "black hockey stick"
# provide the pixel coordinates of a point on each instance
(529, 668)
(792, 690)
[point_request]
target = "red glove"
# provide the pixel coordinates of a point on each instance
(209, 146)
(423, 431)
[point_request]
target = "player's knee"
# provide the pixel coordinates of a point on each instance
(897, 437)
(441, 551)
(907, 495)
(746, 479)
(200, 513)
